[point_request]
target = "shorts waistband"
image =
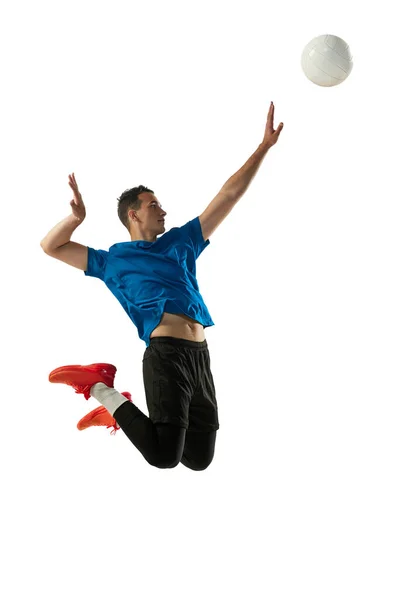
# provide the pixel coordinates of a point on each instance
(179, 342)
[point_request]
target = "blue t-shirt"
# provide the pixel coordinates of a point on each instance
(150, 278)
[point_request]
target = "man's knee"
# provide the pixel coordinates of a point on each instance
(199, 450)
(197, 464)
(171, 441)
(166, 462)
(200, 466)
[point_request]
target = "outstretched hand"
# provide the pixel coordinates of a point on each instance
(77, 205)
(271, 135)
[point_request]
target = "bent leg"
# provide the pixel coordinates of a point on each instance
(161, 444)
(199, 449)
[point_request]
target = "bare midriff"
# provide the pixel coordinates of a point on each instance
(179, 326)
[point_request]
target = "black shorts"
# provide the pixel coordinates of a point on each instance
(179, 385)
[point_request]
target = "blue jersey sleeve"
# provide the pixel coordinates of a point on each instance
(192, 231)
(97, 261)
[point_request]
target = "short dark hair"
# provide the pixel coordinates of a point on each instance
(129, 200)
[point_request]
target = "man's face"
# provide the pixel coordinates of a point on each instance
(151, 211)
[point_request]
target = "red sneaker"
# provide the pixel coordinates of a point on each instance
(82, 378)
(100, 416)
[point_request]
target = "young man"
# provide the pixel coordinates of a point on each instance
(155, 282)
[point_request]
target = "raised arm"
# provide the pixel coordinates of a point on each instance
(57, 241)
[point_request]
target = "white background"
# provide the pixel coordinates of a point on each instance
(306, 281)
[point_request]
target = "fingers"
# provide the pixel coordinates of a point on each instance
(72, 182)
(74, 186)
(71, 179)
(270, 118)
